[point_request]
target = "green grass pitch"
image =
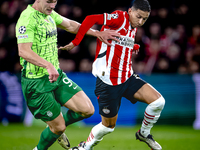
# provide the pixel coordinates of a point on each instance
(18, 137)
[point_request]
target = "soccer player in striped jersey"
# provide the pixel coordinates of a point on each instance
(45, 86)
(115, 77)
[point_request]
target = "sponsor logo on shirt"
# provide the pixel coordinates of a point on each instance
(125, 41)
(22, 37)
(51, 33)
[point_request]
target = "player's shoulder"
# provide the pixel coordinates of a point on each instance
(54, 13)
(56, 17)
(115, 19)
(117, 14)
(27, 15)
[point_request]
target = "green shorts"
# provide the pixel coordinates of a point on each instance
(44, 99)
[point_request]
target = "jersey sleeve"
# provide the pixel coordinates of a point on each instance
(25, 29)
(87, 23)
(114, 20)
(57, 18)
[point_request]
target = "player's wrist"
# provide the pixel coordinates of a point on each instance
(75, 42)
(96, 33)
(48, 65)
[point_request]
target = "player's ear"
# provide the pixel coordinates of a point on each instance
(131, 9)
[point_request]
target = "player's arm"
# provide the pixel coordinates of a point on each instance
(88, 22)
(69, 25)
(84, 28)
(29, 55)
(73, 27)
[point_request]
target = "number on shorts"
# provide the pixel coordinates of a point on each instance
(67, 82)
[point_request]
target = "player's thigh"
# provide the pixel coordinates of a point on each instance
(44, 106)
(40, 99)
(132, 85)
(70, 95)
(66, 89)
(147, 94)
(80, 103)
(109, 98)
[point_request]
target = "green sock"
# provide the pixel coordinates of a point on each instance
(47, 138)
(71, 117)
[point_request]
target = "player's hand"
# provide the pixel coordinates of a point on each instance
(104, 36)
(67, 47)
(53, 73)
(136, 48)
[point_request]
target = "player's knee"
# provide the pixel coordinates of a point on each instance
(158, 104)
(59, 129)
(88, 112)
(161, 102)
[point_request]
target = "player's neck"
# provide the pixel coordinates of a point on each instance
(36, 7)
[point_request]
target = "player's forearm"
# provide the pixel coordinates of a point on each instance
(69, 25)
(74, 27)
(26, 53)
(92, 32)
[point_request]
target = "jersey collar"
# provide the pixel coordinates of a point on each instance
(31, 8)
(127, 16)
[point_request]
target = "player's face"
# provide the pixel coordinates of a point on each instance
(47, 6)
(137, 17)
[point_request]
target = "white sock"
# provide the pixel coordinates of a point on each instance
(96, 135)
(151, 115)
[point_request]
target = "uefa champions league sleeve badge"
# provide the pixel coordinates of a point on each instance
(22, 29)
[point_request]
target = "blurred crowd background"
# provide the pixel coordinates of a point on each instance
(169, 40)
(170, 52)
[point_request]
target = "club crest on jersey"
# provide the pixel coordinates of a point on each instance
(22, 29)
(106, 110)
(114, 16)
(49, 113)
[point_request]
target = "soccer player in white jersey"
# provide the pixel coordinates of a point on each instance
(115, 77)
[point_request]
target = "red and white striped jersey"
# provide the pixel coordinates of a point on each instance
(113, 64)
